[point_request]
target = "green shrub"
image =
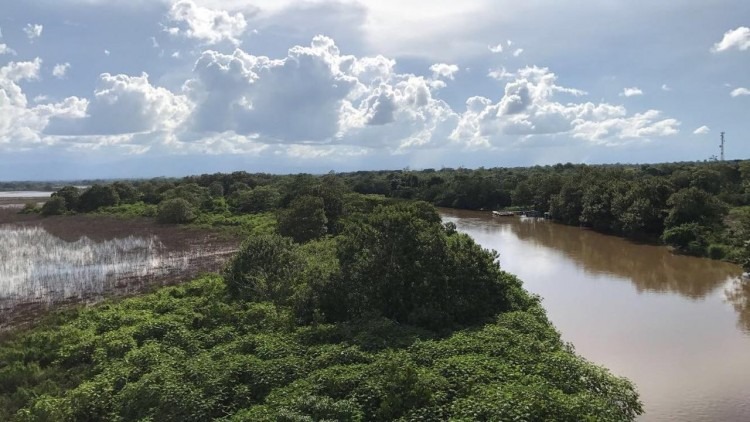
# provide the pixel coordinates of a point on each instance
(243, 225)
(72, 196)
(718, 251)
(304, 220)
(54, 206)
(265, 269)
(260, 199)
(689, 238)
(138, 209)
(30, 208)
(175, 211)
(191, 353)
(98, 196)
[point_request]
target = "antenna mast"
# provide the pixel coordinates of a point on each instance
(722, 146)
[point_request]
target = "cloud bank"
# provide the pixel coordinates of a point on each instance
(314, 102)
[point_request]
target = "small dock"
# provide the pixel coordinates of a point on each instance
(520, 213)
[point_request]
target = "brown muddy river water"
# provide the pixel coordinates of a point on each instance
(679, 327)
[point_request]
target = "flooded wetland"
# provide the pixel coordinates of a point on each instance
(74, 259)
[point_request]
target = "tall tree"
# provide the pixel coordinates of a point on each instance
(304, 220)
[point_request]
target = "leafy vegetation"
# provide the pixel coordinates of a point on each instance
(30, 207)
(667, 202)
(55, 206)
(349, 300)
(396, 317)
(242, 225)
(175, 211)
(692, 207)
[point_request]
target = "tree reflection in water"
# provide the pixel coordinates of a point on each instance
(650, 268)
(738, 295)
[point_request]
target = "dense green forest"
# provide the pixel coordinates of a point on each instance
(699, 208)
(371, 310)
(349, 300)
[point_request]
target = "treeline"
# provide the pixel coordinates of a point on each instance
(699, 208)
(382, 314)
(303, 206)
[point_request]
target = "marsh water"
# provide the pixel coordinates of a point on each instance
(45, 262)
(36, 266)
(677, 326)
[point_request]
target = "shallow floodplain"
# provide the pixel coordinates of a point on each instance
(49, 261)
(37, 266)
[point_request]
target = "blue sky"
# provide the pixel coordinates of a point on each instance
(137, 88)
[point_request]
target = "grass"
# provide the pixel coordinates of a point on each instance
(243, 225)
(139, 209)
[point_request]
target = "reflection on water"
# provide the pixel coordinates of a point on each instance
(669, 323)
(738, 294)
(36, 266)
(648, 267)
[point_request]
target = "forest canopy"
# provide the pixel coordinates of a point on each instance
(394, 317)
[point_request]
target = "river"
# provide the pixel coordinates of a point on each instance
(677, 326)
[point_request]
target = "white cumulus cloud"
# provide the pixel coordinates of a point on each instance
(528, 108)
(500, 74)
(125, 104)
(734, 39)
(33, 31)
(702, 130)
(631, 92)
(739, 92)
(312, 102)
(498, 48)
(443, 70)
(60, 70)
(315, 95)
(204, 24)
(4, 49)
(21, 125)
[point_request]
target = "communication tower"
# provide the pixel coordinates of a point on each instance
(722, 146)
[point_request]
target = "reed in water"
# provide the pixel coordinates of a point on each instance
(36, 266)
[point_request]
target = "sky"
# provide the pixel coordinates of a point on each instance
(146, 88)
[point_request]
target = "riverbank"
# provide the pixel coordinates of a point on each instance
(720, 251)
